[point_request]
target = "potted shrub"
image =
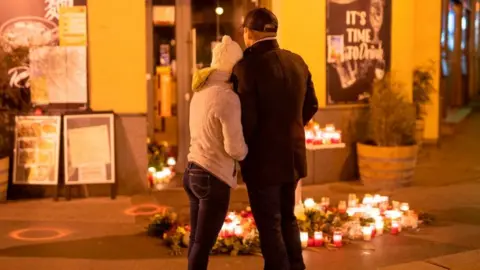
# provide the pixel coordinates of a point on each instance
(13, 100)
(423, 87)
(387, 157)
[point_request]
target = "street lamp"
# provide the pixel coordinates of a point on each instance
(218, 11)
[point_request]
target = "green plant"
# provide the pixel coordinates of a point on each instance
(423, 87)
(391, 118)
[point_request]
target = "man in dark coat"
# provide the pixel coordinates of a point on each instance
(278, 100)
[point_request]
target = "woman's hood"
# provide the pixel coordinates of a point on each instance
(200, 78)
(210, 75)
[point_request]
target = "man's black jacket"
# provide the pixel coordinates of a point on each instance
(278, 99)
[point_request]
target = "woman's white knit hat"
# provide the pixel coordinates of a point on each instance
(226, 54)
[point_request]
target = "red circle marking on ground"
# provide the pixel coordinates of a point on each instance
(136, 210)
(58, 233)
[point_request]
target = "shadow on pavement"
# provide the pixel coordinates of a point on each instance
(121, 247)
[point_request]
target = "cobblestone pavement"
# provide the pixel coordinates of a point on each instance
(99, 233)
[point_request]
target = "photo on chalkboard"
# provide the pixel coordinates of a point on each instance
(89, 143)
(37, 150)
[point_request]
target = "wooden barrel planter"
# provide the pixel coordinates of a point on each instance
(4, 166)
(386, 167)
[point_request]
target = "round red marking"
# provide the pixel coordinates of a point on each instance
(57, 234)
(137, 210)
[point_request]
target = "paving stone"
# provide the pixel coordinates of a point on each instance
(469, 260)
(413, 266)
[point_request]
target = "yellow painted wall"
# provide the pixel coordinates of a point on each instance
(402, 50)
(117, 43)
(302, 30)
(427, 48)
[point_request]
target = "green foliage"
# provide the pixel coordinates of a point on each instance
(161, 223)
(423, 87)
(391, 118)
(157, 155)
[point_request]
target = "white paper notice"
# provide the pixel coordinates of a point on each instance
(89, 145)
(92, 173)
(64, 70)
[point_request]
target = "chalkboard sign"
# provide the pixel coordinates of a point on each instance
(37, 150)
(358, 48)
(89, 143)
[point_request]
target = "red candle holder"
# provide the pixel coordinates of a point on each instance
(318, 239)
(395, 228)
(311, 242)
(337, 239)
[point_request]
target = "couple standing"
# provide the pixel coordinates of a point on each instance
(271, 101)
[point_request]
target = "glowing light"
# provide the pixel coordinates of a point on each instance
(171, 161)
(309, 203)
(219, 10)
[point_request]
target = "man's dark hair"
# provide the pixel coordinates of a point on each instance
(261, 20)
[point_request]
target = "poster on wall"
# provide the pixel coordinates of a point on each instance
(54, 33)
(37, 150)
(358, 48)
(89, 143)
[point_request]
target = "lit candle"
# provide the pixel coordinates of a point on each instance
(318, 239)
(337, 239)
(342, 206)
(330, 128)
(238, 231)
(336, 138)
(309, 203)
(304, 239)
(351, 212)
(404, 207)
(171, 161)
(379, 225)
(352, 200)
(367, 233)
(309, 136)
(395, 227)
(368, 199)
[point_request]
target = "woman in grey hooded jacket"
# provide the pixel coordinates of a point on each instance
(216, 144)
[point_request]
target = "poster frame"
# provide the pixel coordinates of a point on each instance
(103, 114)
(348, 105)
(56, 157)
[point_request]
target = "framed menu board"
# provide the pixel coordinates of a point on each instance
(89, 143)
(37, 149)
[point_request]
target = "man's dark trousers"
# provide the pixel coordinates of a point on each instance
(273, 210)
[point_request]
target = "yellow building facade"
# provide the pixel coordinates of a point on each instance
(416, 28)
(119, 76)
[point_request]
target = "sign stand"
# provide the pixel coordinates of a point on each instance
(37, 151)
(89, 151)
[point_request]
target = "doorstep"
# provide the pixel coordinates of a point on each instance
(453, 119)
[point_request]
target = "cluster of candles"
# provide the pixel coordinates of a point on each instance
(164, 175)
(374, 207)
(318, 136)
(232, 227)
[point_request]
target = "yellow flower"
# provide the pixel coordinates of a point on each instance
(301, 217)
